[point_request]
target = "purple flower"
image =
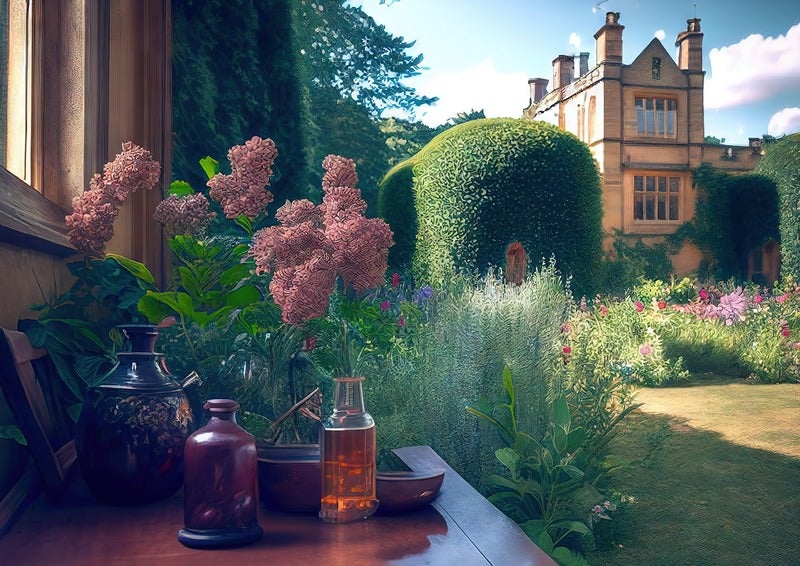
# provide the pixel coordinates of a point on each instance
(385, 305)
(423, 294)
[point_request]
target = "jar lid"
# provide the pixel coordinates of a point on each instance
(221, 405)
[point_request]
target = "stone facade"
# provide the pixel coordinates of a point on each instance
(644, 125)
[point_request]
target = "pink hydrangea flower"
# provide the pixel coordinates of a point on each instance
(183, 215)
(244, 191)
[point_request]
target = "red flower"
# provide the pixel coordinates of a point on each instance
(703, 294)
(385, 305)
(662, 304)
(395, 280)
(566, 350)
(785, 331)
(758, 299)
(639, 306)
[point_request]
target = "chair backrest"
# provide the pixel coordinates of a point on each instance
(30, 384)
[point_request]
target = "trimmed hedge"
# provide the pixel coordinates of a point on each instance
(480, 185)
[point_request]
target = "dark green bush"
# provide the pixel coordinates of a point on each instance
(396, 207)
(782, 164)
(480, 185)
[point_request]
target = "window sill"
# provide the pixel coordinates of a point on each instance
(29, 220)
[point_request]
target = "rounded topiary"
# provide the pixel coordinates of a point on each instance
(781, 163)
(483, 184)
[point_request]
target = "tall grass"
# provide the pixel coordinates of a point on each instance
(476, 327)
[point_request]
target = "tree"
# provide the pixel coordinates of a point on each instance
(345, 49)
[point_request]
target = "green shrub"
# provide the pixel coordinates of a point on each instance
(782, 164)
(480, 185)
(396, 207)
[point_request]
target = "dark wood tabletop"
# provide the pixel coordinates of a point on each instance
(460, 527)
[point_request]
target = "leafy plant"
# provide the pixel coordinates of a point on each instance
(540, 475)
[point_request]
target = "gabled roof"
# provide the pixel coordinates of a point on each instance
(644, 61)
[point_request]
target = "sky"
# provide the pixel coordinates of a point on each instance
(479, 54)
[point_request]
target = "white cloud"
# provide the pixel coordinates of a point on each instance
(480, 87)
(754, 69)
(575, 40)
(786, 121)
(660, 34)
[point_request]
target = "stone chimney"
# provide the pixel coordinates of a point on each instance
(538, 89)
(690, 47)
(583, 66)
(563, 70)
(609, 40)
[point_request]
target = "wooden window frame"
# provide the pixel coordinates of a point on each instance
(643, 112)
(642, 195)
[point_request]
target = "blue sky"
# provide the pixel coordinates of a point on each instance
(479, 54)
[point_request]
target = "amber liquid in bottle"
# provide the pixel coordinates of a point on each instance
(347, 444)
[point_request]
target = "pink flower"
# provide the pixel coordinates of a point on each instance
(662, 304)
(401, 322)
(565, 328)
(385, 305)
(703, 294)
(603, 310)
(183, 215)
(244, 192)
(645, 349)
(639, 306)
(339, 172)
(785, 331)
(395, 280)
(566, 350)
(758, 299)
(781, 298)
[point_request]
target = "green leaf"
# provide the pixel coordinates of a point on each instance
(153, 308)
(210, 166)
(180, 189)
(12, 432)
(243, 296)
(568, 557)
(561, 414)
(509, 458)
(235, 274)
(135, 268)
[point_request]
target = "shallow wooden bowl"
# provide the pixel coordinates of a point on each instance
(399, 492)
(289, 477)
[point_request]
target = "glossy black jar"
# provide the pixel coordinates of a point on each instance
(133, 426)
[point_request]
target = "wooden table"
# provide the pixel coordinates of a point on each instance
(461, 527)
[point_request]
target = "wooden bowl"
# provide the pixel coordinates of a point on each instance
(399, 492)
(290, 477)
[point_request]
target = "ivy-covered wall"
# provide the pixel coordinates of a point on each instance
(734, 214)
(483, 184)
(235, 74)
(781, 163)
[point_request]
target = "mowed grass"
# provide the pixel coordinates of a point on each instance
(715, 470)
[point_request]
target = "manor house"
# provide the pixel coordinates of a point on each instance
(643, 122)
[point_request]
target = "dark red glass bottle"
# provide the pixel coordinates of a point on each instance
(221, 482)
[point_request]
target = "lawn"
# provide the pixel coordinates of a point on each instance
(715, 470)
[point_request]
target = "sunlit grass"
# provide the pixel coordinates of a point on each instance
(721, 486)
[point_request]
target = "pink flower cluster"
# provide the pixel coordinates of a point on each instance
(244, 191)
(183, 215)
(312, 245)
(91, 223)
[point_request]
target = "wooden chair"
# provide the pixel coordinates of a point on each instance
(30, 385)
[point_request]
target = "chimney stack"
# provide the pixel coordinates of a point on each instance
(690, 47)
(538, 88)
(609, 40)
(563, 70)
(583, 67)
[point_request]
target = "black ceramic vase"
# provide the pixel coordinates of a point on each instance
(133, 426)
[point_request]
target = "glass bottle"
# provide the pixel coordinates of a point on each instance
(221, 482)
(347, 451)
